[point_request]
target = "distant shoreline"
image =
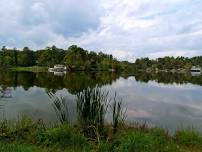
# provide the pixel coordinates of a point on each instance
(45, 69)
(30, 69)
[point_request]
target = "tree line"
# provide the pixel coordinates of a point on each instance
(168, 63)
(75, 58)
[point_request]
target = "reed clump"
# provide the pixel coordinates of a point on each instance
(92, 106)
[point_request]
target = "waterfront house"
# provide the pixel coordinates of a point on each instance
(58, 68)
(196, 69)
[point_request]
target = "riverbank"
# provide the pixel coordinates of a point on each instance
(45, 69)
(32, 136)
(30, 69)
(181, 71)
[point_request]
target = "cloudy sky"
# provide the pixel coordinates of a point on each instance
(126, 28)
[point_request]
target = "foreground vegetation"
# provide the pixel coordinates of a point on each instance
(29, 136)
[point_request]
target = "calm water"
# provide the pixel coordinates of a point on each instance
(167, 100)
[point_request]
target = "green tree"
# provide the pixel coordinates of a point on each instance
(26, 57)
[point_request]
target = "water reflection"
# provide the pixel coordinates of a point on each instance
(195, 73)
(169, 78)
(74, 82)
(163, 99)
(5, 93)
(169, 106)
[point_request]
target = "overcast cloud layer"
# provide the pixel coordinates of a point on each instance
(126, 28)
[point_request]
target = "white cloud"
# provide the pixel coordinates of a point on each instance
(125, 28)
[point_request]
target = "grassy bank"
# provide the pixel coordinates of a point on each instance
(30, 69)
(45, 69)
(29, 136)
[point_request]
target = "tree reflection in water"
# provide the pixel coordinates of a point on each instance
(78, 81)
(74, 82)
(169, 78)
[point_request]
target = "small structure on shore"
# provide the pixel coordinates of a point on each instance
(196, 69)
(58, 68)
(111, 70)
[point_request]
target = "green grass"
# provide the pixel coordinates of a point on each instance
(16, 147)
(20, 147)
(152, 141)
(189, 138)
(28, 136)
(65, 137)
(30, 69)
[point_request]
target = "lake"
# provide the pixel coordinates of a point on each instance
(167, 100)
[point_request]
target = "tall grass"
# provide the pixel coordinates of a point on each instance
(92, 106)
(27, 132)
(20, 130)
(60, 107)
(118, 114)
(189, 138)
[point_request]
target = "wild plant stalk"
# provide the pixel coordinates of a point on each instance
(1, 95)
(118, 114)
(60, 107)
(4, 127)
(92, 105)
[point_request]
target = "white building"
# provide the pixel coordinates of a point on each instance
(195, 69)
